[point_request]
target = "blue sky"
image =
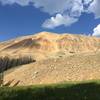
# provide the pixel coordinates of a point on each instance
(24, 17)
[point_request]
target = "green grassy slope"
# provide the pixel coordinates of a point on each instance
(80, 91)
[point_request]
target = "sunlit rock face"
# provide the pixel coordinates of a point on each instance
(45, 44)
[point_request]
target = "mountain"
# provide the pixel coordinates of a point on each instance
(45, 45)
(58, 58)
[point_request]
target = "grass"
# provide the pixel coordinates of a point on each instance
(79, 91)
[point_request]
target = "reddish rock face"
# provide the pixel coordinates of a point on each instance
(79, 44)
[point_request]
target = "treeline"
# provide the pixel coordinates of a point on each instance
(7, 63)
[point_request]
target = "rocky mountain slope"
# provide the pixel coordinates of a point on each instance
(77, 67)
(45, 44)
(59, 58)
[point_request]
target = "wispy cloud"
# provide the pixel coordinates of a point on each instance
(95, 8)
(62, 12)
(19, 2)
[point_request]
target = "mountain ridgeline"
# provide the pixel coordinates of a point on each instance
(46, 44)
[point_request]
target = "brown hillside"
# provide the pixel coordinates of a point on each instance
(45, 44)
(59, 58)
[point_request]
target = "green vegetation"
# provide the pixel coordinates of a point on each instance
(79, 91)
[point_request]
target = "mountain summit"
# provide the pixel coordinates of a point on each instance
(46, 44)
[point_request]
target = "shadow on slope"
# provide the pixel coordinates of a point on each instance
(7, 63)
(85, 91)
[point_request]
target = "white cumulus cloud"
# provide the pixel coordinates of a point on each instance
(59, 20)
(52, 6)
(96, 31)
(49, 6)
(63, 12)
